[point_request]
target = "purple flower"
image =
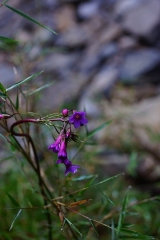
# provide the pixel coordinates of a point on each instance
(71, 168)
(78, 119)
(56, 145)
(62, 154)
(65, 161)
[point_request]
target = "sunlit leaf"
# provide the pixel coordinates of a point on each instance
(15, 219)
(83, 177)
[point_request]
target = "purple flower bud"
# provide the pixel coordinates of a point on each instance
(62, 154)
(1, 116)
(78, 119)
(65, 112)
(56, 145)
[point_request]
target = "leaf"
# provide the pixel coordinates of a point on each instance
(40, 88)
(72, 225)
(29, 18)
(3, 95)
(108, 179)
(4, 138)
(122, 214)
(25, 80)
(15, 219)
(98, 128)
(17, 101)
(8, 40)
(106, 197)
(83, 177)
(92, 223)
(134, 235)
(2, 88)
(15, 203)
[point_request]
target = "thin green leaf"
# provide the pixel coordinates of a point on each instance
(4, 2)
(2, 88)
(122, 214)
(15, 203)
(15, 219)
(108, 179)
(106, 197)
(99, 128)
(25, 80)
(90, 135)
(134, 235)
(4, 138)
(73, 226)
(17, 101)
(29, 18)
(83, 177)
(8, 40)
(93, 225)
(3, 95)
(40, 88)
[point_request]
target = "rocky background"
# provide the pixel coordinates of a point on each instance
(105, 58)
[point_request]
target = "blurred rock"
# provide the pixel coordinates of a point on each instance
(7, 75)
(58, 63)
(74, 37)
(65, 17)
(127, 42)
(103, 81)
(87, 10)
(138, 63)
(141, 18)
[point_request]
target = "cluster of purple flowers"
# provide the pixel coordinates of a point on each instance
(60, 145)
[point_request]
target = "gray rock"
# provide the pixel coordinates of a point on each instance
(103, 81)
(58, 62)
(123, 6)
(74, 37)
(108, 50)
(87, 10)
(142, 19)
(7, 76)
(139, 63)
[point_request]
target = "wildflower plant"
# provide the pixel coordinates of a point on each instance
(59, 201)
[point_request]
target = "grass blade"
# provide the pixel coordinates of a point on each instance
(4, 138)
(15, 203)
(73, 226)
(93, 225)
(2, 88)
(122, 214)
(40, 88)
(99, 128)
(25, 80)
(29, 18)
(15, 219)
(8, 40)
